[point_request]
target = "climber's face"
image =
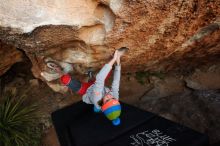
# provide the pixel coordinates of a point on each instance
(107, 98)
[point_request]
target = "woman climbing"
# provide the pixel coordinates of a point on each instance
(96, 93)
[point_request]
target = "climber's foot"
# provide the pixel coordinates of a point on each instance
(90, 74)
(54, 67)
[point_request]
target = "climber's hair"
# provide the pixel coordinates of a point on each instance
(100, 102)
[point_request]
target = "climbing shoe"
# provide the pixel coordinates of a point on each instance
(53, 66)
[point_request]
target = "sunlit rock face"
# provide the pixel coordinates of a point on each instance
(161, 35)
(8, 55)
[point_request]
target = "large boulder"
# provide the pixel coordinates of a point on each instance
(162, 35)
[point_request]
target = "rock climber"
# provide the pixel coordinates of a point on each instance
(95, 92)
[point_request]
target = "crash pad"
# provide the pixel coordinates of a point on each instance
(78, 125)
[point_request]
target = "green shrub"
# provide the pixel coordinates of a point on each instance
(18, 122)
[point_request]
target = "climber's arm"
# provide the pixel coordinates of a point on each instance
(117, 73)
(101, 76)
(116, 81)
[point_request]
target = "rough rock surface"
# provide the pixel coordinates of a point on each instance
(205, 78)
(9, 55)
(170, 85)
(162, 35)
